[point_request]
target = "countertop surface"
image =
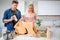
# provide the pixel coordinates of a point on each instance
(55, 32)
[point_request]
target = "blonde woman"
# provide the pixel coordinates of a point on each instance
(27, 22)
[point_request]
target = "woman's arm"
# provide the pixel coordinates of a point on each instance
(35, 18)
(22, 18)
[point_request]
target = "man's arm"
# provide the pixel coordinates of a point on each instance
(9, 20)
(5, 18)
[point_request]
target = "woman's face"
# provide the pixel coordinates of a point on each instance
(30, 8)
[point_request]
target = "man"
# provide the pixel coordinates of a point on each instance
(11, 16)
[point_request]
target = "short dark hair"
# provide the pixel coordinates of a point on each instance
(15, 1)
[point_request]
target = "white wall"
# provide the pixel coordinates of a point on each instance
(21, 6)
(48, 7)
(51, 23)
(4, 4)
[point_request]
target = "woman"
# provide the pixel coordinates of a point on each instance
(27, 22)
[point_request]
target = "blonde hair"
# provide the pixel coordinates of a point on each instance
(32, 6)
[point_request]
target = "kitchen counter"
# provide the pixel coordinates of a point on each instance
(54, 32)
(55, 35)
(26, 37)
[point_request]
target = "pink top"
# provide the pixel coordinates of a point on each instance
(28, 17)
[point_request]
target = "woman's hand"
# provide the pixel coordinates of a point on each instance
(21, 19)
(34, 21)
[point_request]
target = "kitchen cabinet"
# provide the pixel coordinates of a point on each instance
(48, 7)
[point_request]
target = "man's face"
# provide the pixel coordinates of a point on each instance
(14, 6)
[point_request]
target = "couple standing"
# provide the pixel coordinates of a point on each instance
(13, 20)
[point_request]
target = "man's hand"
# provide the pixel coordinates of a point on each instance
(12, 18)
